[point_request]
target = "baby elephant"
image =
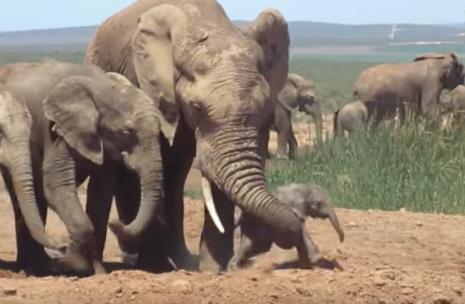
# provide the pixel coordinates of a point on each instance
(453, 102)
(306, 200)
(352, 116)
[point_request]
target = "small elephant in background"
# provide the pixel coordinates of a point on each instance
(306, 200)
(350, 117)
(453, 102)
(298, 94)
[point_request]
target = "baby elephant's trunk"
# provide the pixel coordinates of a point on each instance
(335, 222)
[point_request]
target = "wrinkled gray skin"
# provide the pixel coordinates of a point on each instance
(85, 122)
(307, 200)
(220, 83)
(350, 117)
(297, 94)
(384, 87)
(15, 165)
(453, 102)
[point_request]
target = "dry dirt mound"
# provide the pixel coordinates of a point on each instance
(388, 257)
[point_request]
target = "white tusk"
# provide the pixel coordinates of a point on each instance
(207, 193)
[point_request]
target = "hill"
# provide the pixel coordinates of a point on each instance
(304, 35)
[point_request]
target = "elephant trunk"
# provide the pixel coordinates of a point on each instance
(336, 225)
(146, 161)
(231, 160)
(20, 169)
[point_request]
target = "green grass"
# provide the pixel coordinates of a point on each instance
(410, 168)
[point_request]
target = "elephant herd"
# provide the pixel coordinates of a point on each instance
(181, 65)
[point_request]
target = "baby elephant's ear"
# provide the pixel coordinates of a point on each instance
(70, 106)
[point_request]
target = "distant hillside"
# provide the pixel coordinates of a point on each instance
(304, 35)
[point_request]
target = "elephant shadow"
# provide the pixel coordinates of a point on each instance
(324, 263)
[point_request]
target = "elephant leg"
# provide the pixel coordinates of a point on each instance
(308, 251)
(264, 139)
(248, 248)
(284, 133)
(30, 255)
(216, 249)
(292, 144)
(100, 192)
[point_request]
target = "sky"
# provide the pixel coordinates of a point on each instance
(39, 14)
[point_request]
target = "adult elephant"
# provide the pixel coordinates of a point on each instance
(84, 122)
(219, 82)
(298, 94)
(385, 87)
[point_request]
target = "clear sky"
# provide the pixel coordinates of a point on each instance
(36, 14)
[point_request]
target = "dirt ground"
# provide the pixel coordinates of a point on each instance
(388, 257)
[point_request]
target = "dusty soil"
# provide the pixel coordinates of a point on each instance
(388, 257)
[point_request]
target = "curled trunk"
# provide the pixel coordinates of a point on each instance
(146, 161)
(233, 163)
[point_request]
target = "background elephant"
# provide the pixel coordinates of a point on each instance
(298, 94)
(307, 200)
(350, 117)
(453, 102)
(84, 122)
(384, 87)
(219, 83)
(15, 165)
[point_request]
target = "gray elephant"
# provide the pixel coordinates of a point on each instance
(85, 122)
(218, 83)
(307, 200)
(453, 102)
(298, 94)
(15, 165)
(384, 87)
(350, 117)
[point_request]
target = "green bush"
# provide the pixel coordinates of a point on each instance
(409, 168)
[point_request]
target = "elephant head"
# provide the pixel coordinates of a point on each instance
(105, 115)
(450, 71)
(15, 161)
(222, 80)
(300, 93)
(310, 200)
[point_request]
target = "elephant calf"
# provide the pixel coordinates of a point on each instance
(453, 101)
(298, 94)
(352, 116)
(306, 200)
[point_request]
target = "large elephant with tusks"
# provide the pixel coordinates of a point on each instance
(217, 83)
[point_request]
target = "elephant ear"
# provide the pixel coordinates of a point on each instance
(153, 44)
(270, 31)
(70, 106)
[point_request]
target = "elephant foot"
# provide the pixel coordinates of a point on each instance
(186, 261)
(37, 266)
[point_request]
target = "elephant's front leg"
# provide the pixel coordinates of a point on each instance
(248, 248)
(292, 144)
(59, 178)
(216, 249)
(100, 191)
